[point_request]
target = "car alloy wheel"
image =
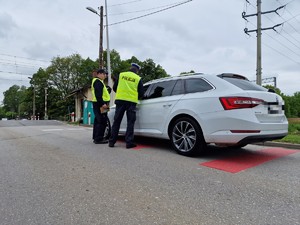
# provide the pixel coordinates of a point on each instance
(186, 137)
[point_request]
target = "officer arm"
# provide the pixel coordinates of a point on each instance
(116, 79)
(141, 89)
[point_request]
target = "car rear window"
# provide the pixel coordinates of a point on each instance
(244, 84)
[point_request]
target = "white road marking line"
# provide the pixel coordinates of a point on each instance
(69, 129)
(75, 129)
(46, 130)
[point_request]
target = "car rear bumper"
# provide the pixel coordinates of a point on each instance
(261, 138)
(227, 137)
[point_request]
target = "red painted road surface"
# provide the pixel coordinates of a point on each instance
(241, 161)
(246, 160)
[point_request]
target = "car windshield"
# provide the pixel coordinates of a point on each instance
(244, 84)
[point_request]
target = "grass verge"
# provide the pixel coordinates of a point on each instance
(294, 132)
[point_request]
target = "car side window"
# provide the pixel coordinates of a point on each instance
(161, 89)
(146, 90)
(178, 88)
(196, 85)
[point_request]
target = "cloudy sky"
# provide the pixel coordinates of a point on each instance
(201, 35)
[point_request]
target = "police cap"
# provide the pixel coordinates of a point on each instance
(136, 65)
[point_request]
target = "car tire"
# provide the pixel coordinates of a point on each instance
(107, 131)
(186, 137)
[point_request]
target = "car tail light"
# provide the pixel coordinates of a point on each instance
(239, 102)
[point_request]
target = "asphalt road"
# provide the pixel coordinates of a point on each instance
(52, 173)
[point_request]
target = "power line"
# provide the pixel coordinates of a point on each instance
(288, 10)
(283, 45)
(259, 30)
(150, 13)
(19, 65)
(281, 53)
(16, 73)
(15, 63)
(282, 30)
(41, 60)
(15, 79)
(125, 3)
(144, 10)
(280, 44)
(289, 40)
(291, 36)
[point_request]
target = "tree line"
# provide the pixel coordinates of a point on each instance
(67, 74)
(64, 75)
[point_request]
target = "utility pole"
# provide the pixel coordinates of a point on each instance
(109, 78)
(46, 115)
(100, 33)
(258, 31)
(33, 100)
(33, 107)
(101, 39)
(258, 50)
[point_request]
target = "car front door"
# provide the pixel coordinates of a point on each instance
(153, 111)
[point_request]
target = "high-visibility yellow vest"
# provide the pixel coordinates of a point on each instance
(105, 94)
(128, 87)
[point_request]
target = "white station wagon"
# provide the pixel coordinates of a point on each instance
(199, 109)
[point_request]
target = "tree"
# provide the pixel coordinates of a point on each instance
(115, 60)
(65, 74)
(85, 70)
(293, 103)
(13, 100)
(277, 90)
(2, 112)
(151, 71)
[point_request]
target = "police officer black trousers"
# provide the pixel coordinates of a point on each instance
(100, 124)
(121, 108)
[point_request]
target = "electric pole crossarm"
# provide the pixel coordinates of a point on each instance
(273, 11)
(272, 28)
(255, 14)
(267, 28)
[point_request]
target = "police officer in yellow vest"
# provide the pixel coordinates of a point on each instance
(100, 101)
(129, 88)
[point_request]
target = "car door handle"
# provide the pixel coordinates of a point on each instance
(167, 105)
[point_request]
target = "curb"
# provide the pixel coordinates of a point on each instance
(279, 144)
